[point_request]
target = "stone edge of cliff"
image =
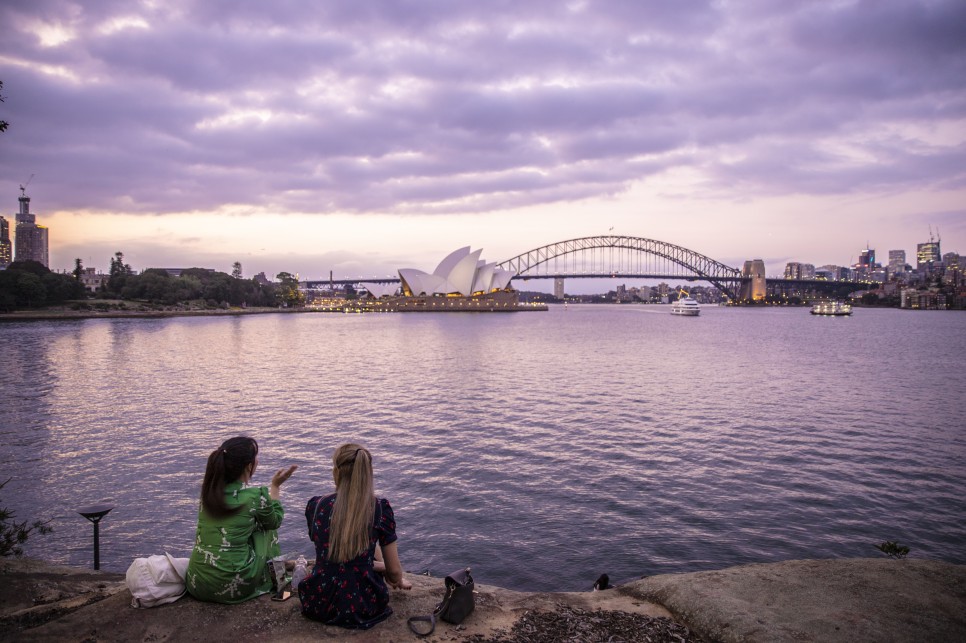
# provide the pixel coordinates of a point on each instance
(819, 600)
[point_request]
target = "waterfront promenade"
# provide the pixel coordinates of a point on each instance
(807, 600)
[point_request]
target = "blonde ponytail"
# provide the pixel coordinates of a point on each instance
(354, 507)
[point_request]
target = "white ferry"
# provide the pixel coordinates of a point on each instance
(833, 308)
(685, 306)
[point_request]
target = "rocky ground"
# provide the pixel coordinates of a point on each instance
(814, 600)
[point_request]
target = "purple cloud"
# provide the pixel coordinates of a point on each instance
(431, 106)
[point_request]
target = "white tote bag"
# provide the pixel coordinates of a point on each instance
(156, 580)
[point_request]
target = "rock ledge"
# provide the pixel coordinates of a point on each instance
(806, 600)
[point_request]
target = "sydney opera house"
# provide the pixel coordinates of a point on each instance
(461, 282)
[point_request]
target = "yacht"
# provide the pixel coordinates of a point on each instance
(685, 306)
(834, 308)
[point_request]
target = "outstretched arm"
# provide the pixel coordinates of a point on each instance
(394, 570)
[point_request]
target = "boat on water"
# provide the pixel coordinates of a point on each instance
(831, 308)
(685, 306)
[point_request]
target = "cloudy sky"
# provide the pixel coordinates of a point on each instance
(364, 136)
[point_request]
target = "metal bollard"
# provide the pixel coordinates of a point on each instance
(94, 513)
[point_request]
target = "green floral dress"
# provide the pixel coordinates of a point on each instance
(229, 561)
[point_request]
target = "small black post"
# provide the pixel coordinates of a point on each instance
(94, 513)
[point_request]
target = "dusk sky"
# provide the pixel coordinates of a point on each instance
(365, 136)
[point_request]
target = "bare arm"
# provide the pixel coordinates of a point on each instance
(378, 564)
(394, 570)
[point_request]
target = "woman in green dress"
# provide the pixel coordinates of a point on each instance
(237, 525)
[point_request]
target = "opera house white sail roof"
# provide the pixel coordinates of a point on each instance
(461, 272)
(381, 290)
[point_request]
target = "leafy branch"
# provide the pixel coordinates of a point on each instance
(13, 534)
(893, 549)
(3, 127)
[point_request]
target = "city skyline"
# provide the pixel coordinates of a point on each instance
(361, 139)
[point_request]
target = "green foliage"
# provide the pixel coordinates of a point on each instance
(13, 534)
(893, 549)
(288, 290)
(119, 273)
(216, 289)
(29, 284)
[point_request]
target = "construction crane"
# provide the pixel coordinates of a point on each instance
(23, 186)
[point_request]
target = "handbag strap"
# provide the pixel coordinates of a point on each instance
(431, 619)
(315, 514)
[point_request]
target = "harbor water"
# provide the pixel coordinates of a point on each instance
(541, 449)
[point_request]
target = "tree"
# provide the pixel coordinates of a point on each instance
(119, 273)
(236, 270)
(3, 124)
(13, 534)
(288, 290)
(30, 290)
(31, 266)
(61, 287)
(78, 269)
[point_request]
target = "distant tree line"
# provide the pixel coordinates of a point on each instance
(29, 284)
(214, 289)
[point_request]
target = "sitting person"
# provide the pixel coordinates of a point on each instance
(237, 524)
(346, 586)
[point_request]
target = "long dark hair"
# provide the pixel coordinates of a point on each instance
(225, 464)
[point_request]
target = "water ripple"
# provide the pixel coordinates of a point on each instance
(579, 440)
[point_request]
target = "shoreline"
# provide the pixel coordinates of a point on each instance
(836, 600)
(68, 315)
(56, 315)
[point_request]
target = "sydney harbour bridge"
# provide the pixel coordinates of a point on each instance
(620, 257)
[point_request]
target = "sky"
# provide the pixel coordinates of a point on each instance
(361, 137)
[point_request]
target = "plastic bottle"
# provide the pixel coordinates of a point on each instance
(299, 573)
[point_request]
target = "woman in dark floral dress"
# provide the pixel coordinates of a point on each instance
(346, 586)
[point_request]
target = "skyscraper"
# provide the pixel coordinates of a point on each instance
(796, 270)
(866, 264)
(897, 262)
(31, 241)
(927, 255)
(6, 256)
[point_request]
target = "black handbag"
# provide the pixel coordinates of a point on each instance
(456, 605)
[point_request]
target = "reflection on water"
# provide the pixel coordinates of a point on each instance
(540, 448)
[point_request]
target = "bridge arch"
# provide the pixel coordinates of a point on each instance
(616, 255)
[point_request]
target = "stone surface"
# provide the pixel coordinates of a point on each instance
(812, 600)
(818, 600)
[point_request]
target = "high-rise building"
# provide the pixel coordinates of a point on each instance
(866, 264)
(795, 270)
(31, 240)
(834, 273)
(558, 287)
(6, 256)
(897, 262)
(927, 255)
